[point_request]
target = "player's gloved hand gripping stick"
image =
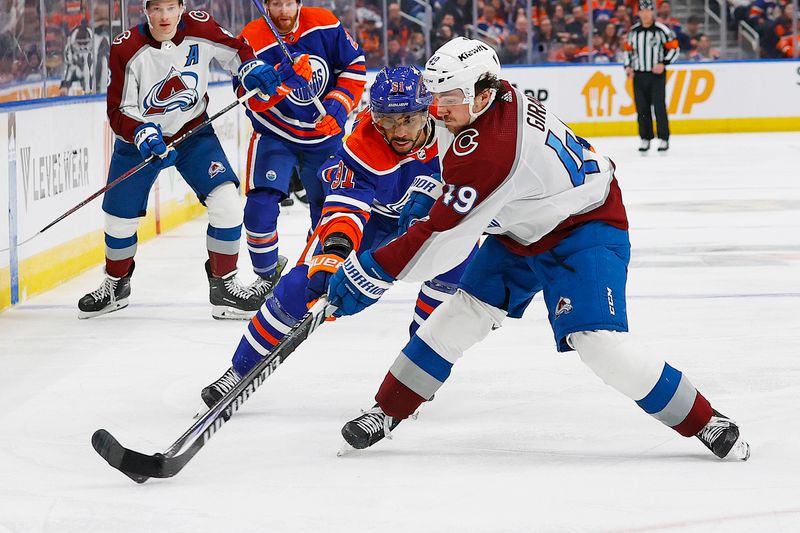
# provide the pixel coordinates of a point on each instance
(279, 40)
(140, 467)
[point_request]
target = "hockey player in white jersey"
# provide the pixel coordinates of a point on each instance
(555, 220)
(157, 92)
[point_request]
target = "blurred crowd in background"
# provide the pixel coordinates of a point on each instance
(60, 47)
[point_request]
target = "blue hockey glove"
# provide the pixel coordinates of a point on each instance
(150, 141)
(424, 192)
(295, 75)
(359, 283)
(255, 74)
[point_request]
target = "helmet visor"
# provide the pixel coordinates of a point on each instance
(454, 97)
(392, 121)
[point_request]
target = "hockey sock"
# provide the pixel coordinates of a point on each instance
(659, 389)
(121, 242)
(223, 249)
(282, 310)
(432, 294)
(261, 222)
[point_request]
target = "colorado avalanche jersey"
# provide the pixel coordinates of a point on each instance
(337, 64)
(166, 82)
(366, 177)
(517, 172)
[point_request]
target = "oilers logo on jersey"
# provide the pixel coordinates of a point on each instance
(320, 74)
(178, 90)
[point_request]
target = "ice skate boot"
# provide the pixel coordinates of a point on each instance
(111, 296)
(367, 429)
(644, 146)
(663, 146)
(230, 300)
(214, 392)
(262, 287)
(721, 436)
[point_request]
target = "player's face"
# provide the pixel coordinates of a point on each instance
(453, 108)
(163, 17)
(283, 13)
(403, 131)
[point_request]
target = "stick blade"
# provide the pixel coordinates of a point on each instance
(126, 461)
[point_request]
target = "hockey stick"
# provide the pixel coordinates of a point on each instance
(140, 467)
(274, 30)
(174, 144)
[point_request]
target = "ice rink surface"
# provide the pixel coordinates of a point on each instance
(519, 439)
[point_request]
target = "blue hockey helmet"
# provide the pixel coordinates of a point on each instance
(399, 90)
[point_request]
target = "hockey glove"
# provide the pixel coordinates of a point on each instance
(255, 74)
(336, 248)
(424, 192)
(294, 76)
(332, 123)
(359, 283)
(150, 141)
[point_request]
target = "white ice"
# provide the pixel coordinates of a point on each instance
(519, 439)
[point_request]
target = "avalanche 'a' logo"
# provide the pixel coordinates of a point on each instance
(563, 306)
(215, 168)
(177, 91)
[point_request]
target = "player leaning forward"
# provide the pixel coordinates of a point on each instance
(159, 77)
(555, 221)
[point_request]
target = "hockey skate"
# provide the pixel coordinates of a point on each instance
(367, 429)
(644, 146)
(230, 300)
(215, 391)
(262, 287)
(721, 436)
(663, 146)
(111, 296)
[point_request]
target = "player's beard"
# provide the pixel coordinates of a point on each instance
(409, 144)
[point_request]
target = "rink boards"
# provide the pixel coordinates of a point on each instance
(55, 154)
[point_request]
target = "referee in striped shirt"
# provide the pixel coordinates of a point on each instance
(649, 48)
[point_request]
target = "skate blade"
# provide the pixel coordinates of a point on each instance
(200, 412)
(345, 449)
(119, 304)
(223, 312)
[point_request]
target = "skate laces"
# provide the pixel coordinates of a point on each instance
(108, 287)
(375, 420)
(228, 380)
(262, 286)
(715, 427)
(235, 287)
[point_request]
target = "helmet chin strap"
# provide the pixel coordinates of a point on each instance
(473, 116)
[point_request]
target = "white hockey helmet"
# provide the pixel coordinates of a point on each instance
(458, 64)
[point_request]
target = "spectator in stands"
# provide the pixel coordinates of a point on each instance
(610, 33)
(521, 28)
(461, 12)
(576, 22)
(703, 51)
(600, 52)
(761, 12)
(396, 53)
(687, 37)
(559, 23)
(513, 52)
(396, 27)
(443, 34)
(492, 29)
(571, 52)
(370, 39)
(28, 66)
(774, 32)
(545, 41)
(665, 17)
(416, 50)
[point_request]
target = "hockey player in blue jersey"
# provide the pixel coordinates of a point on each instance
(384, 177)
(289, 135)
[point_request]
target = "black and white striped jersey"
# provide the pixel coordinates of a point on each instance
(647, 46)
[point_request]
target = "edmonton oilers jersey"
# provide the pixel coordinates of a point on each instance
(337, 63)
